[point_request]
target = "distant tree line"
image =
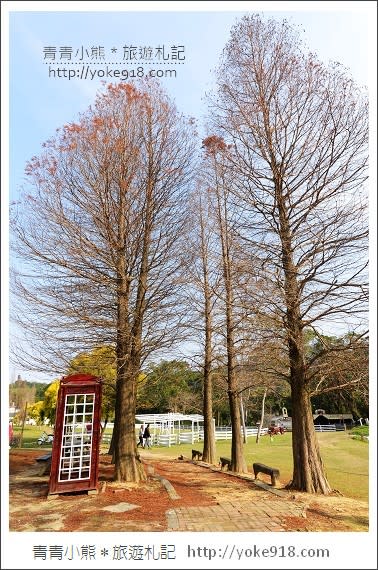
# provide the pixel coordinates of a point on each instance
(175, 386)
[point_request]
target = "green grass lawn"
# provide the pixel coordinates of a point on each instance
(346, 459)
(31, 435)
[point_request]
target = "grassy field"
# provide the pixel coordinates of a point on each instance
(31, 435)
(346, 459)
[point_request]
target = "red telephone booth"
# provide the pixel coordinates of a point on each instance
(76, 445)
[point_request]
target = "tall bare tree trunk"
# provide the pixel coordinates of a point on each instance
(237, 456)
(129, 349)
(215, 146)
(127, 464)
(242, 415)
(209, 447)
(308, 474)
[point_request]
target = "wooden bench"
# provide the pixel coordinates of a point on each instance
(225, 461)
(261, 468)
(196, 455)
(45, 460)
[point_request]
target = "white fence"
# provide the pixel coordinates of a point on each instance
(190, 436)
(221, 433)
(166, 440)
(226, 433)
(330, 427)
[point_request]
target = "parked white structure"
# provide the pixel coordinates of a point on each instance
(172, 428)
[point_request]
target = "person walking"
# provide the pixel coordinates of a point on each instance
(141, 440)
(147, 436)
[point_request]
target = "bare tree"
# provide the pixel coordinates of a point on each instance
(223, 219)
(340, 366)
(205, 238)
(99, 234)
(202, 277)
(298, 132)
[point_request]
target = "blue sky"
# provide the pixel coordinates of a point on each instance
(40, 103)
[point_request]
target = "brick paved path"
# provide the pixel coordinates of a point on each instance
(261, 516)
(239, 507)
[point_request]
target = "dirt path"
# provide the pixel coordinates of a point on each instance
(178, 496)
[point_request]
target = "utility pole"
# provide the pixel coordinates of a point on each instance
(23, 423)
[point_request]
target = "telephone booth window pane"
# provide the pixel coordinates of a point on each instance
(76, 449)
(78, 421)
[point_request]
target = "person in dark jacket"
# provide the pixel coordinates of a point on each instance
(147, 436)
(141, 440)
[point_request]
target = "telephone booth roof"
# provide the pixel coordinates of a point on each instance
(80, 380)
